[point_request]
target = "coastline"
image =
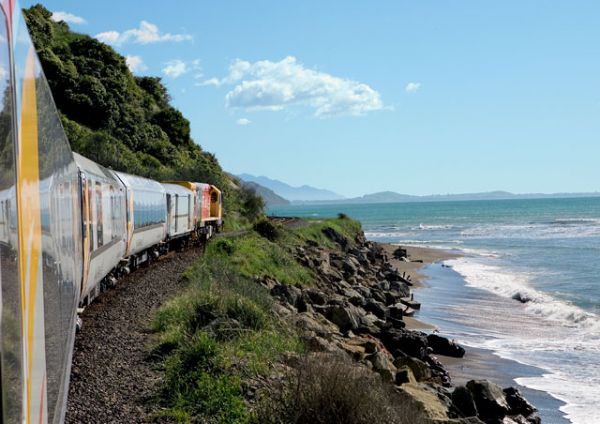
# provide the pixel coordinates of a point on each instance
(477, 363)
(420, 257)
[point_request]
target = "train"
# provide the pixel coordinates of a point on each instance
(69, 229)
(128, 220)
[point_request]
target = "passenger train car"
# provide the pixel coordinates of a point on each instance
(69, 228)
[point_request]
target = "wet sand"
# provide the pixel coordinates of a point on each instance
(419, 257)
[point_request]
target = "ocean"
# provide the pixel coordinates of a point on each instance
(544, 251)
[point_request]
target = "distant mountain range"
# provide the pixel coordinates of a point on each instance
(392, 197)
(303, 193)
(269, 196)
(276, 192)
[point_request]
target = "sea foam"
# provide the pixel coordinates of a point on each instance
(500, 281)
(545, 332)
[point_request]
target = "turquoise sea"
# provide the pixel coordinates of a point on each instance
(544, 250)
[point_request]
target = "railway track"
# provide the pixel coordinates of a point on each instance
(112, 379)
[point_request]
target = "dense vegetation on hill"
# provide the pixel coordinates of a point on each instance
(123, 121)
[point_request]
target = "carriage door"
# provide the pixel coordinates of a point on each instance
(169, 214)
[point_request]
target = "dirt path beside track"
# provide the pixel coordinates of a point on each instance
(112, 381)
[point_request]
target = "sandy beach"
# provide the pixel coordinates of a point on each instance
(419, 257)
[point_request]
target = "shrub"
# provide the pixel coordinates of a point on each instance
(268, 230)
(225, 246)
(331, 389)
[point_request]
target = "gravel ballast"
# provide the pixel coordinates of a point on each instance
(112, 380)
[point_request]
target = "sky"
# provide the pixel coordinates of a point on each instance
(418, 97)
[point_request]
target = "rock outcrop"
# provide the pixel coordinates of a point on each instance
(357, 306)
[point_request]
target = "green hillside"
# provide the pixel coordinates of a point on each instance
(123, 121)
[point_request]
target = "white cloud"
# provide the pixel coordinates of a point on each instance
(175, 68)
(244, 121)
(147, 33)
(68, 18)
(266, 85)
(135, 63)
(413, 87)
(212, 81)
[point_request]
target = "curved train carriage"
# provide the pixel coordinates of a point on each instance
(68, 229)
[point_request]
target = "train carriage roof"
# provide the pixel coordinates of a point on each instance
(90, 167)
(139, 183)
(177, 189)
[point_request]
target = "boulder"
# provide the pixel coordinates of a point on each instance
(438, 370)
(289, 294)
(419, 369)
(345, 317)
(316, 324)
(462, 398)
(382, 365)
(523, 298)
(314, 296)
(395, 323)
(400, 253)
(369, 324)
(489, 400)
(413, 343)
(364, 291)
(336, 237)
(396, 311)
(400, 288)
(353, 297)
(319, 344)
(384, 285)
(404, 375)
(517, 404)
(391, 297)
(443, 346)
(379, 295)
(376, 308)
(349, 268)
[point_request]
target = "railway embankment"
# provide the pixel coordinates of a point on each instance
(307, 323)
(112, 380)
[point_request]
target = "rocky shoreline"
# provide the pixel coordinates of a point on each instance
(361, 304)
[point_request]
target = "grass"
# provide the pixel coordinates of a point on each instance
(349, 228)
(221, 331)
(217, 334)
(254, 256)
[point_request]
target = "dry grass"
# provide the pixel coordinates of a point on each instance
(331, 389)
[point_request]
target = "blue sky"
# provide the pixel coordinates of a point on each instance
(418, 97)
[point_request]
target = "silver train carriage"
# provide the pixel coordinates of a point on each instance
(146, 218)
(40, 236)
(180, 211)
(104, 215)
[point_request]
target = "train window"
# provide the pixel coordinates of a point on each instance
(99, 217)
(148, 208)
(115, 212)
(214, 197)
(91, 216)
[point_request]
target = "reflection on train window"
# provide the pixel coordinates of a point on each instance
(148, 208)
(91, 216)
(116, 216)
(99, 221)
